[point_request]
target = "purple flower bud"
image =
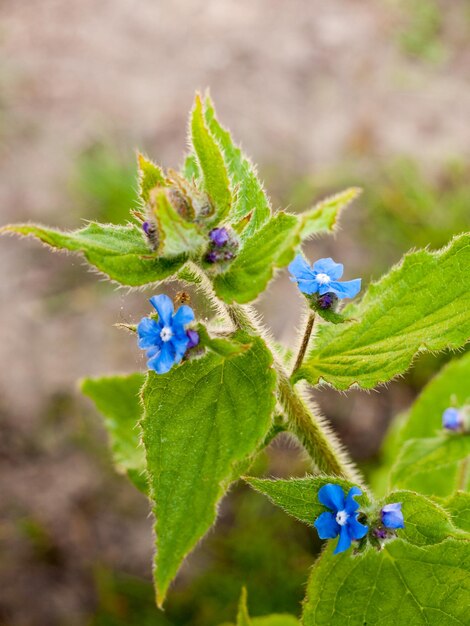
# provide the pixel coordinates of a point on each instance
(193, 337)
(392, 517)
(452, 419)
(228, 255)
(219, 236)
(212, 256)
(145, 227)
(380, 533)
(327, 300)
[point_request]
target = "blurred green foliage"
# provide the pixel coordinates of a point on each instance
(421, 34)
(104, 184)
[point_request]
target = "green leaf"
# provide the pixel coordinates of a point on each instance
(299, 496)
(422, 304)
(425, 417)
(201, 420)
(401, 584)
(324, 215)
(120, 252)
(271, 247)
(250, 197)
(458, 505)
(177, 236)
(150, 176)
(243, 619)
(118, 399)
(424, 464)
(426, 522)
(211, 163)
(448, 386)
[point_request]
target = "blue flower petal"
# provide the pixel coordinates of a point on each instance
(183, 315)
(327, 526)
(148, 332)
(307, 286)
(329, 267)
(332, 496)
(351, 505)
(348, 289)
(300, 268)
(152, 351)
(344, 540)
(392, 517)
(356, 529)
(164, 306)
(179, 346)
(163, 361)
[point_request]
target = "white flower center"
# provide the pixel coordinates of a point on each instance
(166, 333)
(341, 517)
(322, 279)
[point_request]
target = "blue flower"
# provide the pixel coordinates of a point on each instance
(452, 419)
(392, 517)
(343, 519)
(322, 278)
(165, 339)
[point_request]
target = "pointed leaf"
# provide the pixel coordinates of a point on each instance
(118, 399)
(424, 464)
(250, 197)
(150, 176)
(243, 619)
(324, 216)
(211, 163)
(201, 420)
(422, 304)
(402, 584)
(299, 496)
(276, 619)
(120, 252)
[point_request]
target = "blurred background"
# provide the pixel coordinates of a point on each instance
(321, 95)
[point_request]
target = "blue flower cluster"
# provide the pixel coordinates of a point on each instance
(166, 339)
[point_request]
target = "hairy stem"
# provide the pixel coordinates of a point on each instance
(305, 341)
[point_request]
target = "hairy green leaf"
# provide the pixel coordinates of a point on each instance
(422, 304)
(426, 522)
(425, 464)
(120, 252)
(211, 163)
(401, 584)
(118, 399)
(323, 217)
(250, 197)
(150, 176)
(299, 496)
(458, 505)
(201, 420)
(271, 247)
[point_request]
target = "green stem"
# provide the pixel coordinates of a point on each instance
(305, 342)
